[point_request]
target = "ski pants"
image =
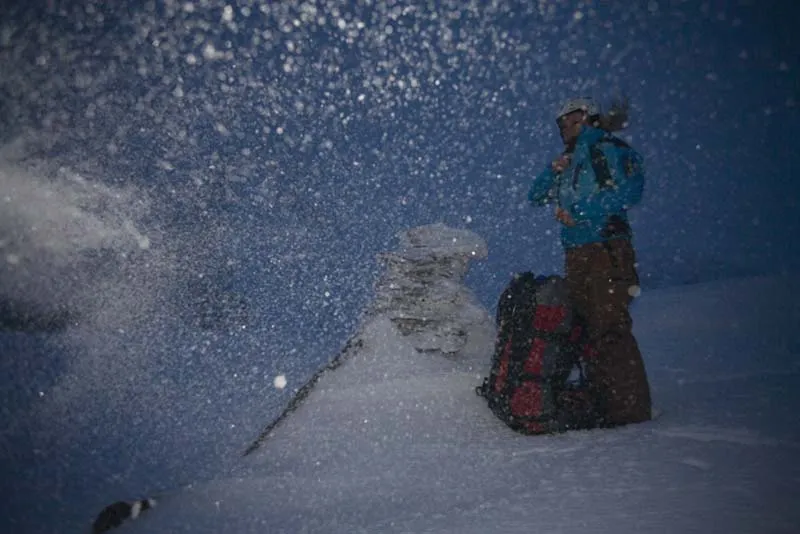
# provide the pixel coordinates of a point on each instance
(602, 278)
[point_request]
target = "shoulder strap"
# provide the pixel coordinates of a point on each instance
(602, 172)
(616, 141)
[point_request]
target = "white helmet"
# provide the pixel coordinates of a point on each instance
(586, 104)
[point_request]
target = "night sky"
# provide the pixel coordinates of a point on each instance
(280, 146)
(367, 119)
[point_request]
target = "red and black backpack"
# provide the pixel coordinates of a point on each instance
(537, 382)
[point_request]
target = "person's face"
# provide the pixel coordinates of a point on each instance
(570, 126)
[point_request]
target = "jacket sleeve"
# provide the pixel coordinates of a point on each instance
(626, 169)
(542, 192)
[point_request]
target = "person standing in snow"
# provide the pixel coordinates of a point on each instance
(592, 184)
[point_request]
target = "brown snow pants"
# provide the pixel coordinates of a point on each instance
(600, 277)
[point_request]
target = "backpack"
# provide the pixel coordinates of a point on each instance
(537, 383)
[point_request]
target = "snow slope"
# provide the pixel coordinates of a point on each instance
(395, 440)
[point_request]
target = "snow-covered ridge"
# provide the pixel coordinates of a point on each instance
(395, 440)
(421, 298)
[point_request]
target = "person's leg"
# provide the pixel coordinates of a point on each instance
(619, 370)
(578, 276)
(577, 269)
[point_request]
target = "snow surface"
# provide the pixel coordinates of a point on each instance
(395, 440)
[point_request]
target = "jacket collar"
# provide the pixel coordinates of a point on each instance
(590, 135)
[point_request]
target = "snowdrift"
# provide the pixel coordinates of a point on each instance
(393, 438)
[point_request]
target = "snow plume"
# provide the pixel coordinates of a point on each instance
(58, 235)
(90, 264)
(70, 248)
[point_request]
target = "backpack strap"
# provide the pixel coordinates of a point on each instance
(602, 172)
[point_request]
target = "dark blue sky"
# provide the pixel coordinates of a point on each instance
(282, 146)
(378, 118)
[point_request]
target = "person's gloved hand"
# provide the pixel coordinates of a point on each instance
(561, 163)
(564, 217)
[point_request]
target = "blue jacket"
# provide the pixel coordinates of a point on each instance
(604, 179)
